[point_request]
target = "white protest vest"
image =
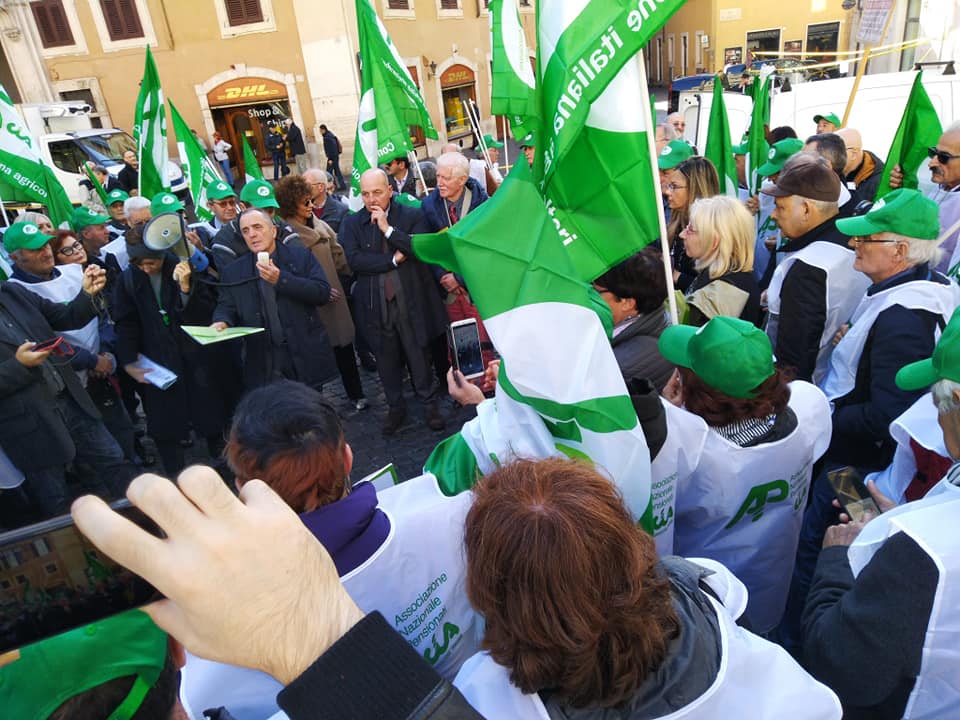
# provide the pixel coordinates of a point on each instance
(845, 288)
(674, 464)
(118, 248)
(63, 289)
(743, 506)
(949, 203)
(932, 523)
(917, 295)
(919, 423)
(756, 680)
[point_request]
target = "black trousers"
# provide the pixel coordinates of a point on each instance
(398, 340)
(349, 374)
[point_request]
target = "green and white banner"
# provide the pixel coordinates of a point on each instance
(719, 149)
(595, 159)
(22, 170)
(150, 132)
(389, 102)
(757, 147)
(513, 92)
(560, 391)
(251, 166)
(197, 167)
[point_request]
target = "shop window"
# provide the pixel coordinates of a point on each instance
(822, 41)
(51, 20)
(243, 12)
(416, 132)
(762, 41)
(457, 85)
(40, 547)
(398, 4)
(122, 19)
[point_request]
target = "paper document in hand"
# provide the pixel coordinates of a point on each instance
(159, 375)
(208, 335)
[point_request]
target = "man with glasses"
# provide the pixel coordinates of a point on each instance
(326, 207)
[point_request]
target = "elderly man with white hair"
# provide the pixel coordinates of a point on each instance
(886, 593)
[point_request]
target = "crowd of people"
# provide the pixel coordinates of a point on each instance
(818, 337)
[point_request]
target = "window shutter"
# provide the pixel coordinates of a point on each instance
(449, 4)
(398, 4)
(122, 19)
(52, 23)
(243, 12)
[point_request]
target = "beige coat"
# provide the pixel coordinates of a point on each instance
(322, 242)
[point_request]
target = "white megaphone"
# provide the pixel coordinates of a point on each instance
(165, 232)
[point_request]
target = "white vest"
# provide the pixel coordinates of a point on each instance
(118, 248)
(756, 680)
(931, 522)
(918, 422)
(949, 203)
(416, 581)
(845, 288)
(916, 295)
(743, 507)
(63, 289)
(675, 463)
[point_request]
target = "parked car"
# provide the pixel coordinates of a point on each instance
(688, 83)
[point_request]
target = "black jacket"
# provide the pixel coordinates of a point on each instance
(331, 146)
(275, 143)
(228, 243)
(31, 428)
(409, 184)
(333, 213)
(866, 188)
(128, 178)
(295, 141)
(302, 288)
(637, 351)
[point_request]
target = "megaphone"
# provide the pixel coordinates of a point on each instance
(165, 232)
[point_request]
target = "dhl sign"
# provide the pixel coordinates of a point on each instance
(241, 89)
(456, 75)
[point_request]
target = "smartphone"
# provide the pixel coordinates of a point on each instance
(852, 493)
(52, 579)
(50, 344)
(263, 258)
(464, 340)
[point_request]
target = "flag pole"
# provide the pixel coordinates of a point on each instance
(648, 121)
(862, 66)
(3, 209)
(474, 125)
(419, 173)
(506, 142)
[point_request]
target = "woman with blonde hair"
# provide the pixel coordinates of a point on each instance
(719, 239)
(689, 181)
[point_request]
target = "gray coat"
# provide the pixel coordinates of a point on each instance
(635, 348)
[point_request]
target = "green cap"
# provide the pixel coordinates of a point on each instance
(829, 117)
(904, 212)
(85, 217)
(24, 235)
(115, 196)
(526, 141)
(675, 152)
(42, 676)
(730, 355)
(218, 190)
(407, 199)
(491, 142)
(165, 202)
(259, 193)
(943, 365)
(779, 154)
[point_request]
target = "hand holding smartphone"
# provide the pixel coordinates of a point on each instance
(45, 345)
(852, 493)
(463, 338)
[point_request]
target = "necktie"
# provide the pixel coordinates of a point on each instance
(452, 212)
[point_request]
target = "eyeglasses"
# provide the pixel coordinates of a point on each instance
(942, 156)
(69, 250)
(673, 187)
(868, 241)
(690, 230)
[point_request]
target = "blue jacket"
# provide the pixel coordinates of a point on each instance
(435, 212)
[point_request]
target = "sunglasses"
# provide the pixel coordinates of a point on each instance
(942, 156)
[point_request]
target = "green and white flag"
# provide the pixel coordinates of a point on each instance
(597, 175)
(919, 129)
(757, 148)
(197, 168)
(719, 149)
(23, 175)
(95, 182)
(150, 132)
(251, 166)
(513, 91)
(389, 101)
(560, 392)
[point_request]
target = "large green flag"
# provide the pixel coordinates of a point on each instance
(757, 148)
(594, 155)
(251, 166)
(389, 101)
(150, 132)
(719, 149)
(513, 91)
(197, 168)
(535, 306)
(23, 174)
(919, 129)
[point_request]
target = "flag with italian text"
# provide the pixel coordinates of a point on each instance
(197, 167)
(593, 156)
(150, 132)
(251, 166)
(719, 148)
(390, 102)
(513, 86)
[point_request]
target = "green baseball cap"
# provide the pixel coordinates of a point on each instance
(944, 364)
(218, 190)
(674, 153)
(42, 676)
(526, 141)
(165, 202)
(779, 154)
(905, 212)
(115, 196)
(728, 354)
(85, 217)
(829, 117)
(491, 142)
(259, 193)
(24, 235)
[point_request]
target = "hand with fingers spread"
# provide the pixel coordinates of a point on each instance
(286, 606)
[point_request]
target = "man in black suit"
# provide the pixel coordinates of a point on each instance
(332, 149)
(47, 419)
(398, 308)
(281, 295)
(401, 178)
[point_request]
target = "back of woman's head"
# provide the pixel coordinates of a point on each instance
(287, 435)
(702, 178)
(640, 277)
(723, 223)
(566, 582)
